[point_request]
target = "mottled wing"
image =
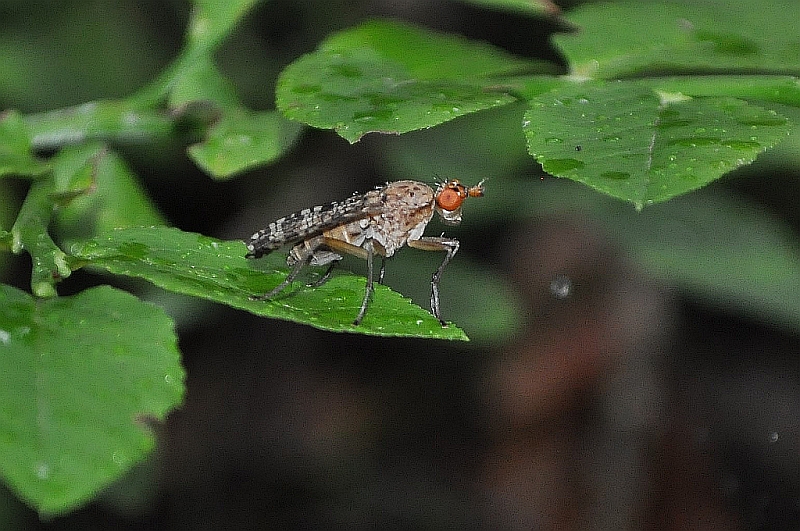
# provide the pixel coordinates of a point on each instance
(311, 222)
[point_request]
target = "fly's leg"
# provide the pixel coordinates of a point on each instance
(368, 247)
(383, 270)
(300, 256)
(448, 245)
(298, 266)
(324, 278)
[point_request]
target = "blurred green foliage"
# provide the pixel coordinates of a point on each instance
(96, 91)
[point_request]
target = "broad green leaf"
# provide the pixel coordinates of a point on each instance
(200, 266)
(391, 77)
(97, 193)
(629, 142)
(81, 378)
(16, 157)
(625, 38)
(241, 140)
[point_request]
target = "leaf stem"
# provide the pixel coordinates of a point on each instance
(29, 233)
(99, 120)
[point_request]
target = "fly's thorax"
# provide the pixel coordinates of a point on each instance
(407, 209)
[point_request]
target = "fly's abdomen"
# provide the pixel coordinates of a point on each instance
(311, 222)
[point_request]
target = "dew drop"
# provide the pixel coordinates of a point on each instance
(42, 470)
(561, 286)
(773, 437)
(5, 337)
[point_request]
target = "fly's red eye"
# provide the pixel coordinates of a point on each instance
(451, 197)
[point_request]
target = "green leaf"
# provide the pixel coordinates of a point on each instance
(241, 140)
(15, 148)
(80, 379)
(200, 266)
(625, 38)
(389, 77)
(98, 193)
(631, 143)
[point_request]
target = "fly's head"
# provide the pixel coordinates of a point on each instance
(450, 195)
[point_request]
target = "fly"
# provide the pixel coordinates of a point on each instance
(378, 222)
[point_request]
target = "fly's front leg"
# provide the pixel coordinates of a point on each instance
(430, 243)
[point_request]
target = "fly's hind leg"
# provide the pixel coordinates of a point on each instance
(383, 270)
(325, 277)
(286, 281)
(300, 256)
(370, 249)
(430, 243)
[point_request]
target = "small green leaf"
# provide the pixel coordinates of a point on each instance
(631, 143)
(391, 77)
(15, 148)
(200, 266)
(112, 198)
(80, 379)
(625, 38)
(75, 171)
(241, 140)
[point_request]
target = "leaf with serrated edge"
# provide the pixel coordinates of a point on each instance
(389, 77)
(630, 142)
(193, 264)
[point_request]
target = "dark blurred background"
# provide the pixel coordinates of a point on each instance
(591, 396)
